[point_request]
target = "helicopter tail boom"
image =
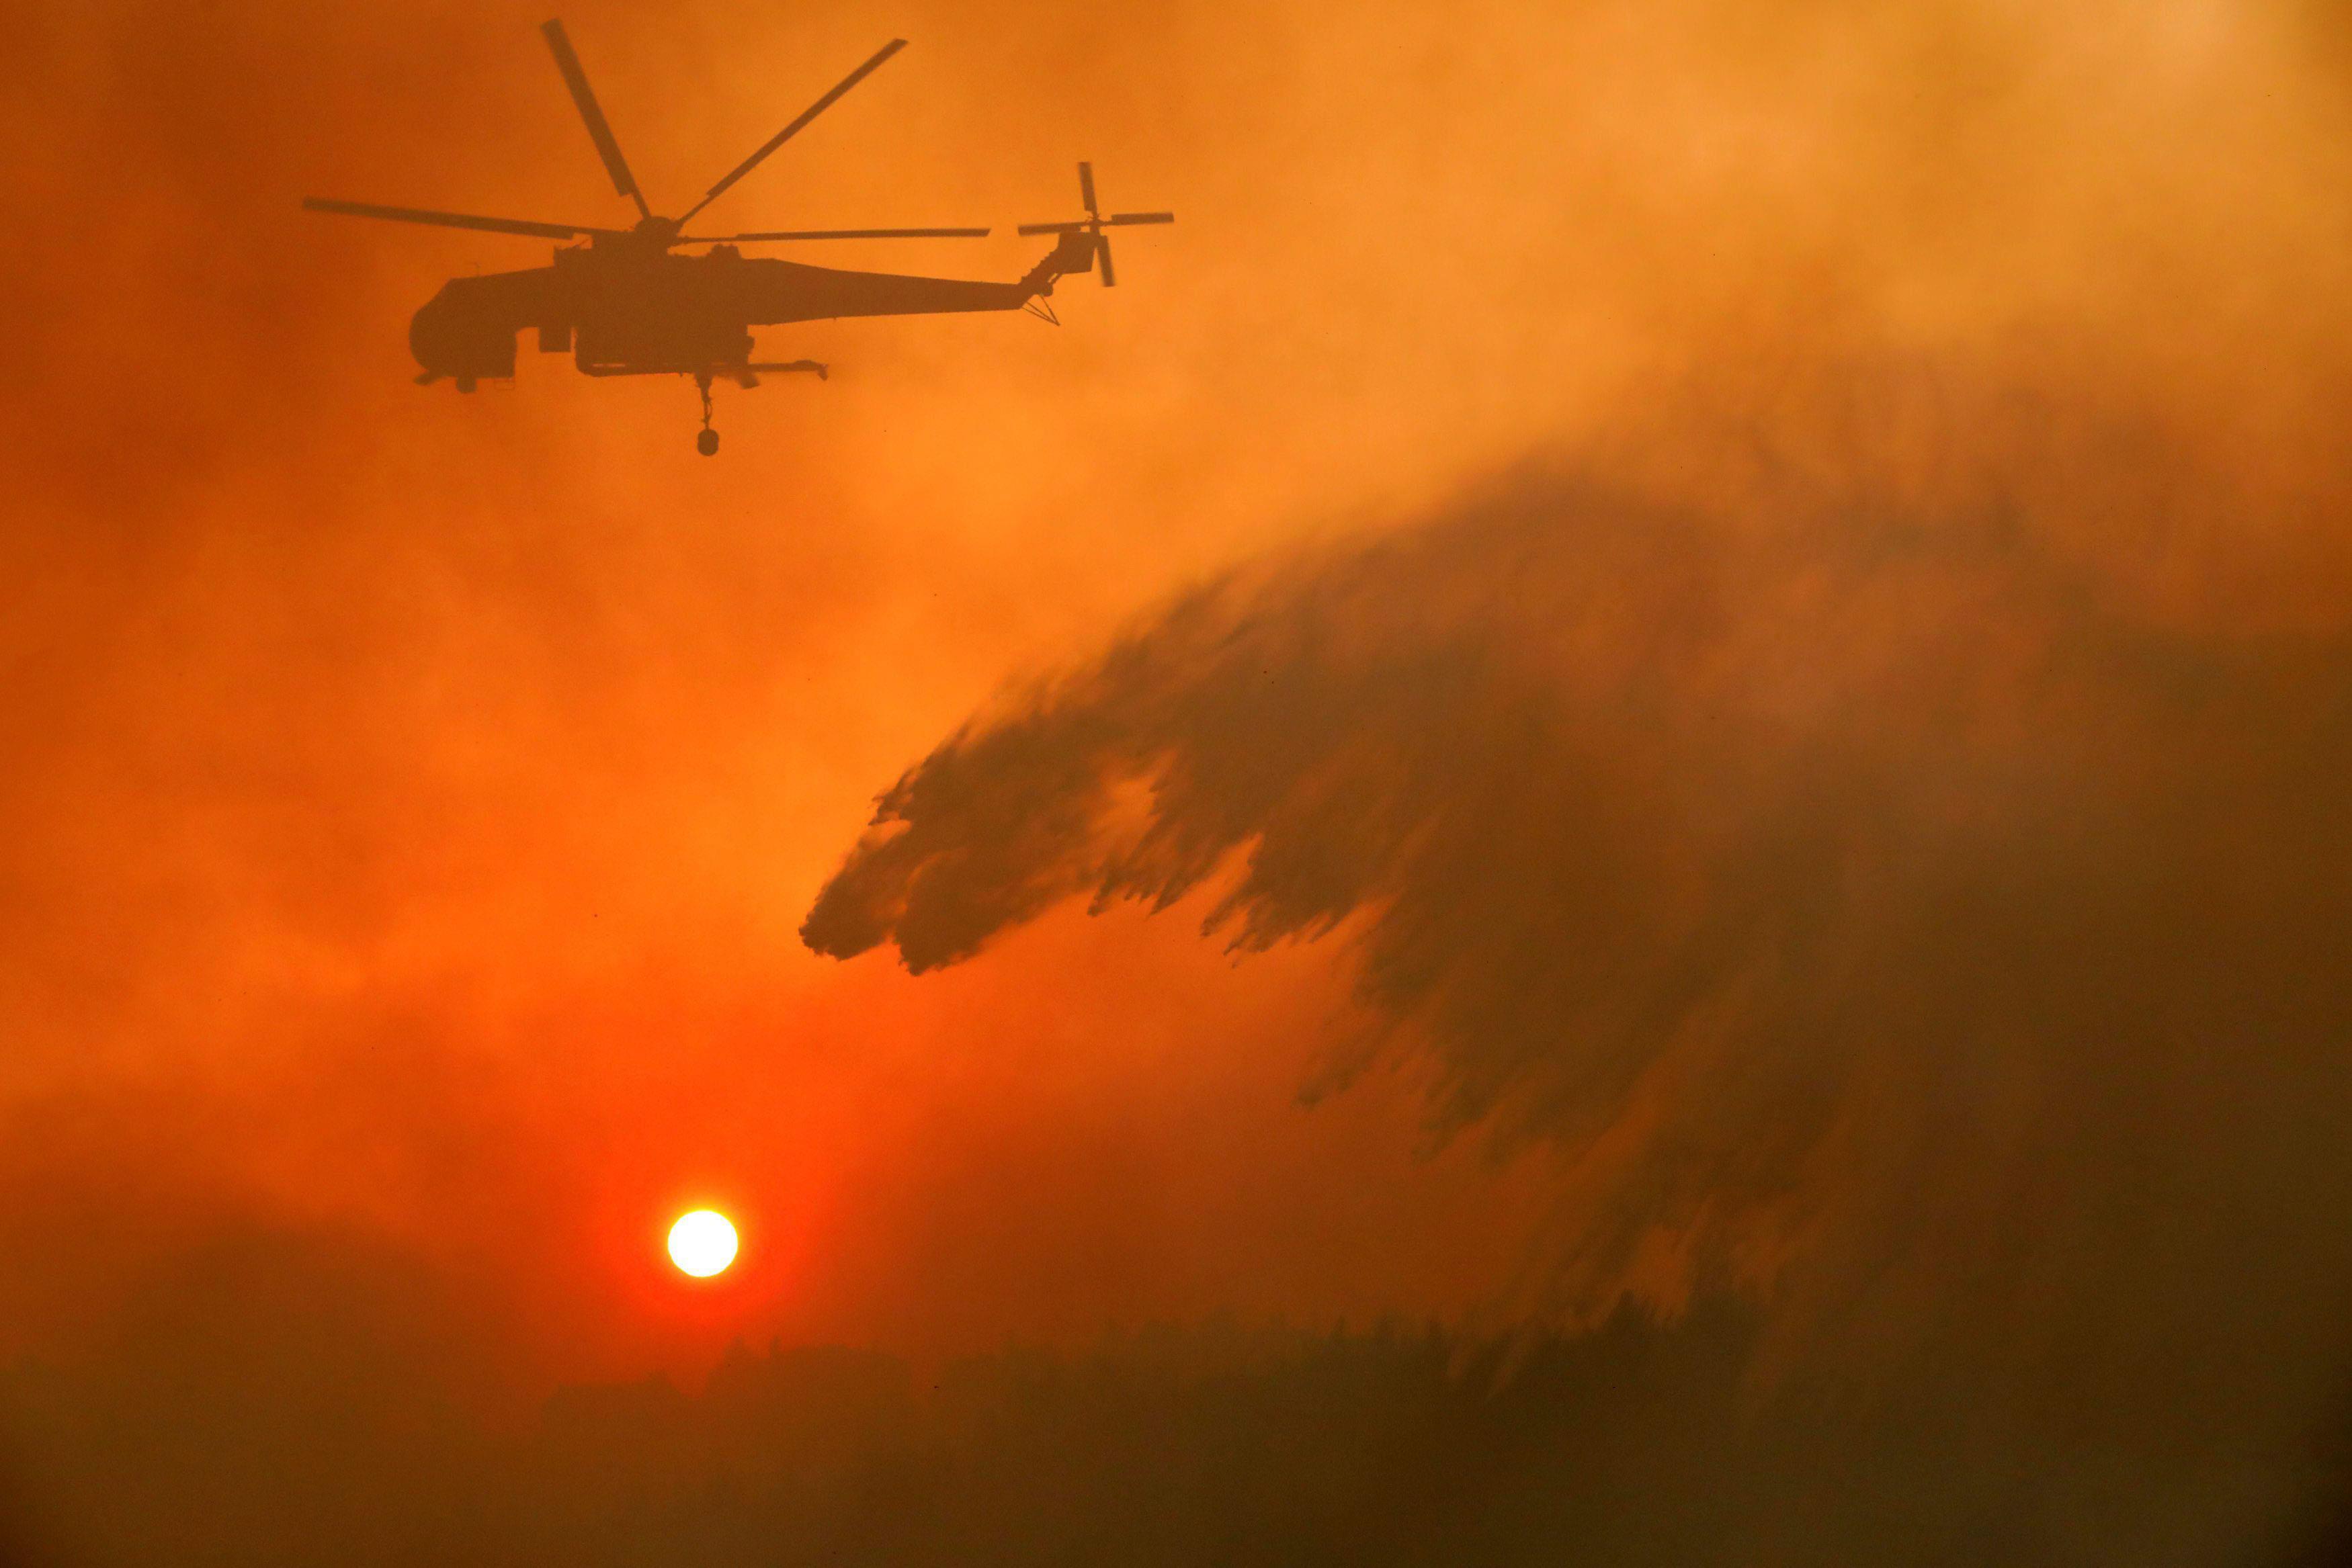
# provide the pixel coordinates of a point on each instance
(1075, 253)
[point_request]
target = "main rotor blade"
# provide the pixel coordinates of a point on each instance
(846, 233)
(1113, 221)
(600, 132)
(789, 132)
(1110, 273)
(453, 220)
(1087, 188)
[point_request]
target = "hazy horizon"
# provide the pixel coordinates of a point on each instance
(1669, 688)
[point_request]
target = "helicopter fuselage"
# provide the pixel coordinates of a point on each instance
(653, 300)
(643, 309)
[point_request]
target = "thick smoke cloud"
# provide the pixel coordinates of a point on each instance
(1877, 898)
(1877, 838)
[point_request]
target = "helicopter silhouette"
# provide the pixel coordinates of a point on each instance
(627, 302)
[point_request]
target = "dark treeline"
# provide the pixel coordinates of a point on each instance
(1640, 1442)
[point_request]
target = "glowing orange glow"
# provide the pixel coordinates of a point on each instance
(702, 1243)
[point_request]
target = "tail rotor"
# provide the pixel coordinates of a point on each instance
(1095, 223)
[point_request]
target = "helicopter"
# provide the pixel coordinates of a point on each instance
(631, 302)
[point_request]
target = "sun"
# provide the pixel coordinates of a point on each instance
(702, 1243)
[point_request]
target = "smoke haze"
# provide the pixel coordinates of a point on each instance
(1742, 613)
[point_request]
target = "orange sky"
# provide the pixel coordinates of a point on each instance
(415, 798)
(424, 794)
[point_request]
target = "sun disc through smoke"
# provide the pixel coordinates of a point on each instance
(702, 1243)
